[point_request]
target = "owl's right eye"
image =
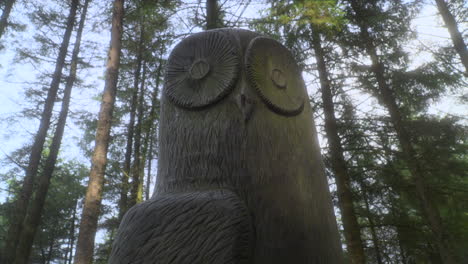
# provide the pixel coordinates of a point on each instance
(201, 70)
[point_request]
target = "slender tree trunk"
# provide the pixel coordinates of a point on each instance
(49, 253)
(149, 151)
(399, 232)
(212, 14)
(5, 15)
(429, 209)
(69, 252)
(43, 255)
(72, 234)
(21, 204)
(455, 34)
(124, 203)
(137, 183)
(141, 114)
(92, 203)
(153, 127)
(351, 227)
(147, 142)
(32, 220)
(375, 238)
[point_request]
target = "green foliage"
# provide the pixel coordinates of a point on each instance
(323, 13)
(66, 191)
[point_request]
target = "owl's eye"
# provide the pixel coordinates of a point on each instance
(201, 70)
(274, 74)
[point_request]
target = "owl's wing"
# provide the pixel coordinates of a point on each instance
(209, 227)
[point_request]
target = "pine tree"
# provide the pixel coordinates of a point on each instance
(36, 150)
(32, 219)
(343, 182)
(92, 203)
(387, 96)
(212, 14)
(8, 5)
(455, 34)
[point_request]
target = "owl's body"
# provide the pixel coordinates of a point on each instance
(236, 126)
(193, 227)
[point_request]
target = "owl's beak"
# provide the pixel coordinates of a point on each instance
(246, 106)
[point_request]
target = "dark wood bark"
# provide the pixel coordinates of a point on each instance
(212, 14)
(149, 155)
(123, 203)
(49, 252)
(43, 254)
(147, 144)
(138, 162)
(386, 96)
(71, 239)
(375, 238)
(32, 220)
(351, 227)
(92, 203)
(455, 34)
(401, 246)
(5, 15)
(21, 204)
(153, 128)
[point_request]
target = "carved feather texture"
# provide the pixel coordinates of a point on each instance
(211, 227)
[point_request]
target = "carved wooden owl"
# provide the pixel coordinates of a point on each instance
(240, 177)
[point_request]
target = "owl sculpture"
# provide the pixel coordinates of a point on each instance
(240, 177)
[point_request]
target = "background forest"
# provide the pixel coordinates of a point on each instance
(387, 80)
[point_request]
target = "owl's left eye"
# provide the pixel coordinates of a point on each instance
(201, 70)
(275, 76)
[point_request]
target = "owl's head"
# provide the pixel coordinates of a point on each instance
(208, 67)
(222, 87)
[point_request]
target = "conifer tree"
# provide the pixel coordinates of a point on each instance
(387, 97)
(16, 224)
(8, 5)
(32, 220)
(455, 34)
(93, 199)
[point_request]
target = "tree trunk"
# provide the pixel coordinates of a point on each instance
(212, 14)
(92, 203)
(351, 227)
(5, 15)
(69, 252)
(375, 239)
(401, 247)
(149, 154)
(49, 253)
(429, 209)
(455, 34)
(146, 144)
(43, 254)
(21, 204)
(124, 203)
(153, 128)
(33, 217)
(137, 183)
(72, 234)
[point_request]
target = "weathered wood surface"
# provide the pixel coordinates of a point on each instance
(240, 176)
